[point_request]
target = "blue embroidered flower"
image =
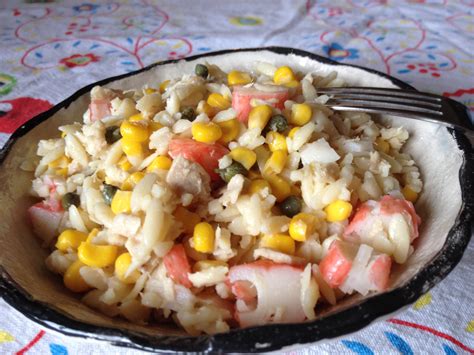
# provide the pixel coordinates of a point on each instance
(86, 7)
(337, 52)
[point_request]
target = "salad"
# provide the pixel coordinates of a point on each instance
(224, 199)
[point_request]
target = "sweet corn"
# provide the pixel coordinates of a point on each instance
(160, 162)
(154, 126)
(207, 264)
(206, 132)
(132, 148)
(300, 114)
(124, 164)
(203, 238)
(236, 77)
(91, 236)
(164, 85)
(70, 239)
(292, 132)
(62, 172)
(121, 202)
(409, 194)
(187, 218)
(133, 131)
(132, 180)
(62, 162)
(204, 107)
(136, 117)
(383, 145)
(279, 242)
(258, 185)
(259, 116)
(276, 141)
(244, 156)
(73, 280)
(284, 75)
(338, 211)
(281, 189)
(276, 162)
(230, 130)
(121, 267)
(97, 255)
(218, 101)
(301, 226)
(149, 91)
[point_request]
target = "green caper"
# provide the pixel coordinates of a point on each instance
(188, 114)
(232, 170)
(70, 199)
(112, 134)
(108, 193)
(201, 70)
(277, 123)
(290, 206)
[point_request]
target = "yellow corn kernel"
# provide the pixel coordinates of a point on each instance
(187, 218)
(61, 162)
(338, 211)
(278, 242)
(276, 162)
(207, 264)
(236, 77)
(164, 85)
(259, 116)
(91, 236)
(409, 194)
(121, 202)
(97, 255)
(124, 164)
(302, 226)
(70, 239)
(281, 189)
(121, 267)
(62, 172)
(206, 132)
(300, 114)
(203, 238)
(292, 132)
(284, 75)
(154, 126)
(160, 162)
(204, 107)
(383, 145)
(134, 131)
(276, 141)
(136, 117)
(230, 130)
(73, 280)
(132, 148)
(244, 156)
(258, 185)
(218, 101)
(63, 134)
(149, 91)
(132, 180)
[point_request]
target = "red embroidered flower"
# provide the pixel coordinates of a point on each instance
(79, 60)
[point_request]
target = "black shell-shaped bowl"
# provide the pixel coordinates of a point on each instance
(445, 159)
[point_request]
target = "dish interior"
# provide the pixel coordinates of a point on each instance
(22, 257)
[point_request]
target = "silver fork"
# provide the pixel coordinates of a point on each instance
(411, 104)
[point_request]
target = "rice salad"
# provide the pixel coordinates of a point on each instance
(221, 200)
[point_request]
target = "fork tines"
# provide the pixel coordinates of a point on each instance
(395, 101)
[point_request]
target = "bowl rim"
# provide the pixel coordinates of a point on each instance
(261, 338)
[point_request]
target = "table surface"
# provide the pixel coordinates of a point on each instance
(51, 50)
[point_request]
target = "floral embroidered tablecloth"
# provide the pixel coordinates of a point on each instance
(53, 48)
